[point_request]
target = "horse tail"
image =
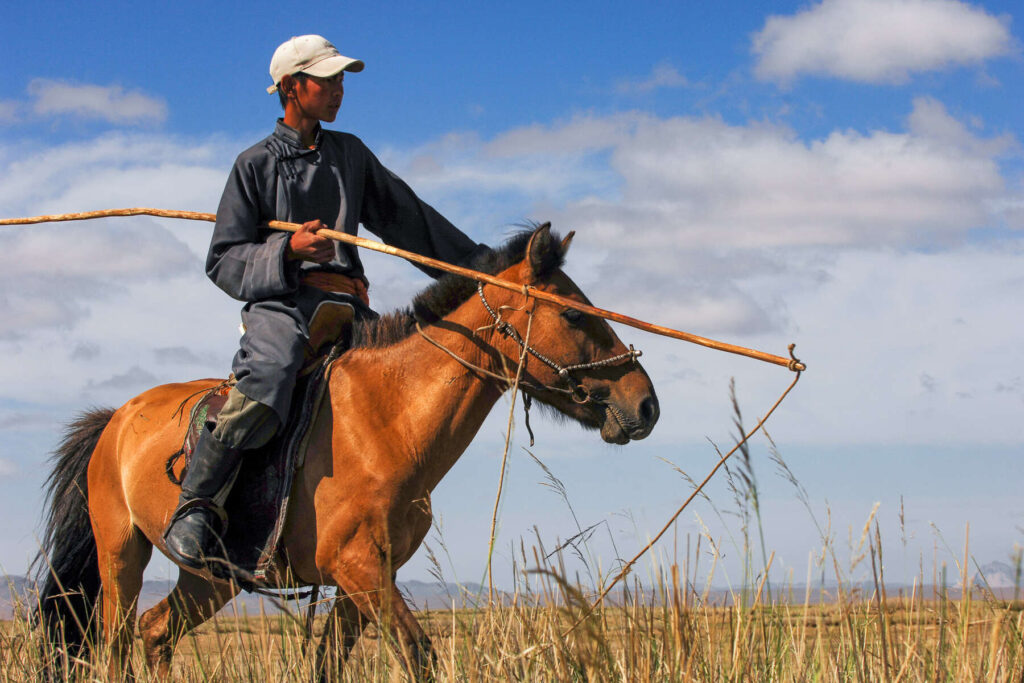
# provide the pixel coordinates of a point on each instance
(68, 577)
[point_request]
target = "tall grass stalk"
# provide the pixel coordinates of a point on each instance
(665, 630)
(670, 626)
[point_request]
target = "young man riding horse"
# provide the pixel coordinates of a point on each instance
(322, 179)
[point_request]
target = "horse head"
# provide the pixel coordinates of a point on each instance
(575, 363)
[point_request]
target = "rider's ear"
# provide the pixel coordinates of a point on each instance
(538, 253)
(287, 85)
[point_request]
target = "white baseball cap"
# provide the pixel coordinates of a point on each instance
(312, 54)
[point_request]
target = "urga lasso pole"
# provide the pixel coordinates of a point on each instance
(791, 363)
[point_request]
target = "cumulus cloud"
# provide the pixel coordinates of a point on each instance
(113, 170)
(47, 278)
(878, 41)
(134, 379)
(8, 111)
(109, 103)
(705, 182)
(705, 207)
(50, 274)
(662, 76)
(744, 232)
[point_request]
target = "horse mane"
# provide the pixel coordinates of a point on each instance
(450, 291)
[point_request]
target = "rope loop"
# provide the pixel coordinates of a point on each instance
(795, 364)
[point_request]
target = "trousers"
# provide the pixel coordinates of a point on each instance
(244, 423)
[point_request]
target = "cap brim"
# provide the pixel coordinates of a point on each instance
(334, 65)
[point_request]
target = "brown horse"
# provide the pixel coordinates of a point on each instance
(400, 413)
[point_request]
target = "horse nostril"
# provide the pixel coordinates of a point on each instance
(649, 410)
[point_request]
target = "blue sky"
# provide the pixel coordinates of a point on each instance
(845, 174)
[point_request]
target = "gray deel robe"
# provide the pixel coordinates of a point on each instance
(339, 182)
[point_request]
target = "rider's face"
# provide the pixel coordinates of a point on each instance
(320, 98)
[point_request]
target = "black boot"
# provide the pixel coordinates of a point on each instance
(192, 535)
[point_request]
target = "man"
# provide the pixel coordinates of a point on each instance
(302, 174)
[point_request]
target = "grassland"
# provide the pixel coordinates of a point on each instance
(668, 626)
(666, 633)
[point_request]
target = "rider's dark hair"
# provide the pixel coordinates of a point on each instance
(281, 95)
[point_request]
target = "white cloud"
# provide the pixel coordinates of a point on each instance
(110, 103)
(47, 277)
(742, 232)
(661, 76)
(7, 468)
(878, 41)
(703, 207)
(111, 170)
(25, 421)
(51, 274)
(9, 111)
(704, 182)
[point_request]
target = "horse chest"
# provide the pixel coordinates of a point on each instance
(410, 527)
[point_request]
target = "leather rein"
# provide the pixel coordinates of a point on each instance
(579, 393)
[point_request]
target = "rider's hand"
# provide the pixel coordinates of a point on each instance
(306, 245)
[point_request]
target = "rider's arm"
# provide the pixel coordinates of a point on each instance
(393, 212)
(246, 261)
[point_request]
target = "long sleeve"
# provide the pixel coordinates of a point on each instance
(393, 212)
(247, 262)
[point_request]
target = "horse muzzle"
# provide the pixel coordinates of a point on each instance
(630, 421)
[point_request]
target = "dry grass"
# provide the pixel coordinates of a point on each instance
(671, 629)
(666, 634)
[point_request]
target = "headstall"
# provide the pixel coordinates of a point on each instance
(579, 393)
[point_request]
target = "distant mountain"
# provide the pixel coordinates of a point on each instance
(12, 591)
(997, 575)
(18, 590)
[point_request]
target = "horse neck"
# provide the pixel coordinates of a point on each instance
(435, 402)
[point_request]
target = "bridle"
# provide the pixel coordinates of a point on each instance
(579, 393)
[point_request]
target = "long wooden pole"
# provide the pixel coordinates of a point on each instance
(790, 363)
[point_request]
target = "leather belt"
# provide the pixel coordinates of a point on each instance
(336, 282)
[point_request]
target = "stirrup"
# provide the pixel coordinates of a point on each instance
(206, 503)
(202, 538)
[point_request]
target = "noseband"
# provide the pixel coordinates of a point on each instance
(579, 393)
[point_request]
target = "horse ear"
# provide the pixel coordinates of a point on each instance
(566, 242)
(537, 251)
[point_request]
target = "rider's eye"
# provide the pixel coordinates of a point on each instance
(574, 317)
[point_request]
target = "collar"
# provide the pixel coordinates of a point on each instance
(291, 137)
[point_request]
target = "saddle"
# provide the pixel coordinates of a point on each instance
(257, 505)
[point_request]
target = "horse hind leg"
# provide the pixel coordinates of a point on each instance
(193, 601)
(123, 556)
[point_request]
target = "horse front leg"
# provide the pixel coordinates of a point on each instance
(345, 624)
(376, 596)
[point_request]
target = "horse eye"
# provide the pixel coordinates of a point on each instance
(573, 317)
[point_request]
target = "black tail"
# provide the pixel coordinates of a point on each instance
(68, 575)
